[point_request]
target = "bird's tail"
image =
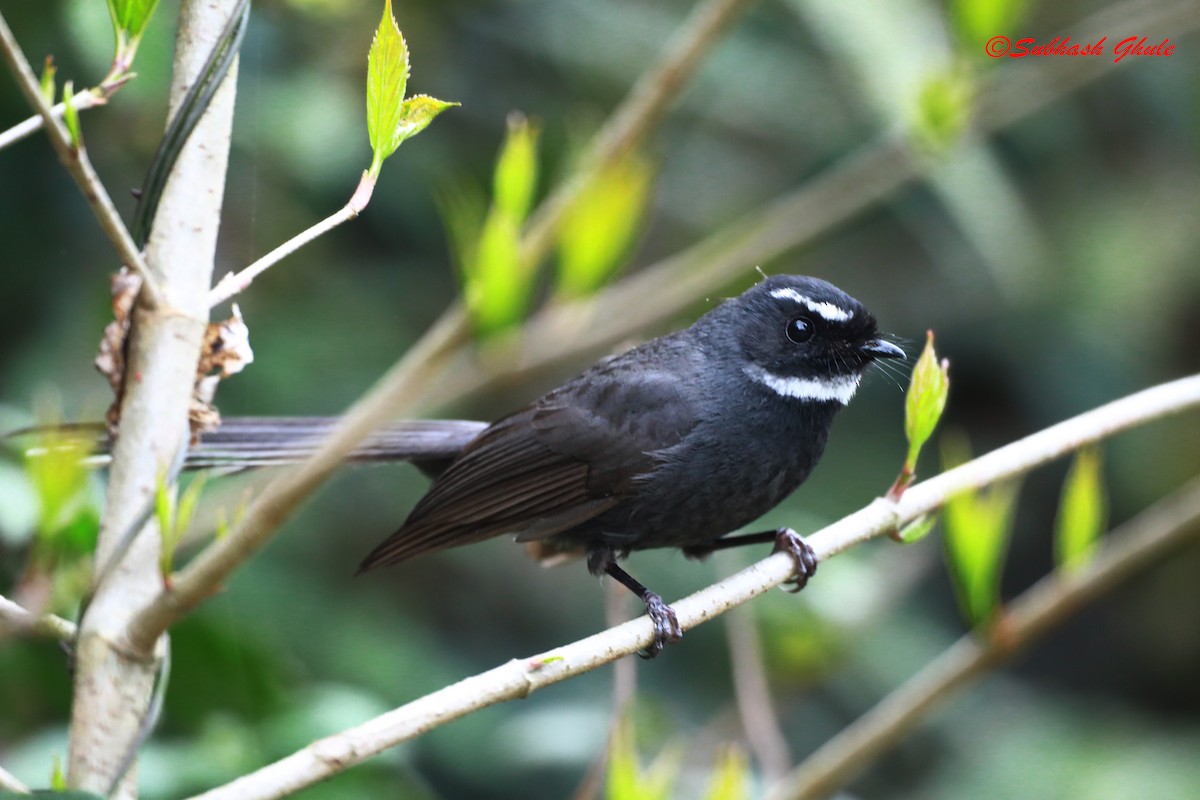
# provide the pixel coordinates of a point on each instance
(249, 442)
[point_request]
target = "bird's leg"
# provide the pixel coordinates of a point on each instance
(785, 539)
(666, 625)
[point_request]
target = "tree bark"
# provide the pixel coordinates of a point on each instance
(114, 681)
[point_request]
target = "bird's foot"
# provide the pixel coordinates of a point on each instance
(790, 542)
(666, 624)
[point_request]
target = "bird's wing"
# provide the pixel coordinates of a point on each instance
(553, 465)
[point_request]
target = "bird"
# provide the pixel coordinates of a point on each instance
(675, 443)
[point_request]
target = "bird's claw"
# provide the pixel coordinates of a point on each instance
(666, 625)
(790, 542)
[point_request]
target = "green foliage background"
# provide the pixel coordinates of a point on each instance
(1059, 263)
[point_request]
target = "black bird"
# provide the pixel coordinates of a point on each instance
(674, 443)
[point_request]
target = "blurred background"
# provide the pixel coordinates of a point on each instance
(1057, 259)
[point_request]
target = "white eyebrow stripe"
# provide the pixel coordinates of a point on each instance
(822, 309)
(838, 389)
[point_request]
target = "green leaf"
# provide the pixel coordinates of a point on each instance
(627, 781)
(599, 227)
(918, 529)
(387, 78)
(516, 170)
(188, 502)
(131, 16)
(71, 115)
(47, 82)
(415, 115)
(729, 777)
(925, 400)
(978, 525)
(944, 106)
(164, 513)
(66, 523)
(497, 289)
(976, 21)
(1082, 511)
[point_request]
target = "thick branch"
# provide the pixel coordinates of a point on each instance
(10, 783)
(114, 684)
(519, 678)
(1136, 545)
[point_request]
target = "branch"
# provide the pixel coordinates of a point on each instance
(114, 685)
(80, 166)
(82, 100)
(233, 284)
(1133, 547)
(519, 677)
(10, 783)
(15, 618)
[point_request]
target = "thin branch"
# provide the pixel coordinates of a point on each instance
(233, 284)
(752, 691)
(80, 167)
(519, 677)
(1134, 546)
(402, 384)
(16, 618)
(82, 100)
(10, 783)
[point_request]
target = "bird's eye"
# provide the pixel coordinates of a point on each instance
(800, 330)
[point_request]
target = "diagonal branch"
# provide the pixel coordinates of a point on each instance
(79, 165)
(1134, 546)
(519, 677)
(15, 618)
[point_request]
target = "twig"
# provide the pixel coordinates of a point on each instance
(520, 677)
(402, 384)
(14, 617)
(232, 283)
(10, 783)
(80, 167)
(1134, 546)
(83, 99)
(753, 694)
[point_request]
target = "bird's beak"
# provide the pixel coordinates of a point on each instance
(878, 348)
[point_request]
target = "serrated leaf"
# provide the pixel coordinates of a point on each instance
(977, 527)
(387, 78)
(944, 107)
(47, 81)
(730, 777)
(415, 115)
(516, 170)
(925, 400)
(600, 226)
(71, 115)
(1082, 511)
